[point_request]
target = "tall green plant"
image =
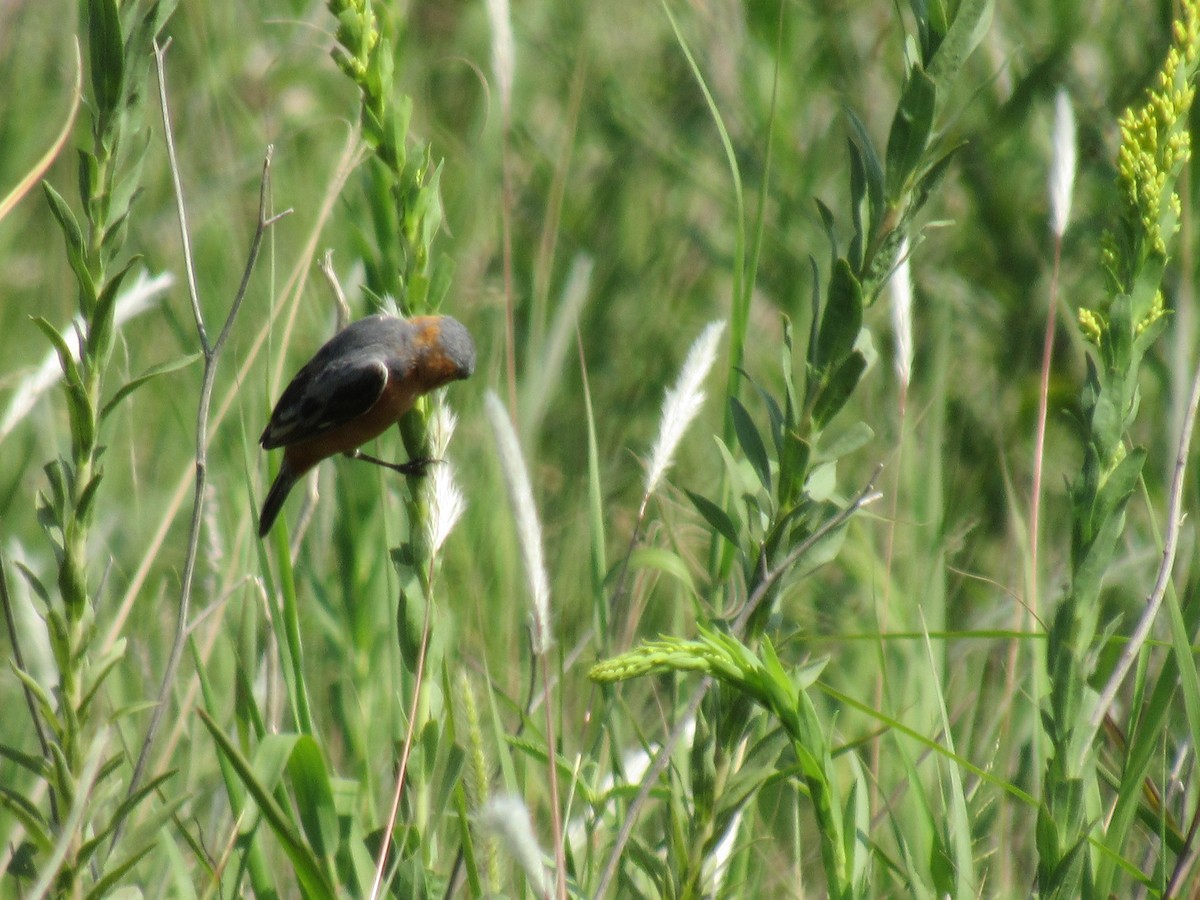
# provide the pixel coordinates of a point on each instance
(330, 829)
(401, 186)
(70, 840)
(1155, 143)
(783, 512)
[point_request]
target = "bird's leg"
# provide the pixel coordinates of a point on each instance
(412, 467)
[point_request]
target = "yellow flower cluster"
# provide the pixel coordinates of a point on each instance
(1091, 325)
(1157, 311)
(359, 33)
(1154, 138)
(1155, 143)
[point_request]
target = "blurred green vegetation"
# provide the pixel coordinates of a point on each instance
(614, 159)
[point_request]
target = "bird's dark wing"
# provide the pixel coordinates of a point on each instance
(323, 395)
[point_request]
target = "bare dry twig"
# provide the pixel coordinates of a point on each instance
(212, 353)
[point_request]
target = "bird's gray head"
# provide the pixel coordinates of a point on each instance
(457, 345)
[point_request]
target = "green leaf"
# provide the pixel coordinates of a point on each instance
(860, 211)
(102, 326)
(83, 424)
(830, 226)
(87, 498)
(970, 24)
(776, 683)
(35, 583)
(842, 320)
(22, 864)
(153, 372)
(1067, 879)
(788, 356)
(76, 250)
(308, 869)
(106, 885)
(440, 280)
(1116, 489)
(823, 551)
(742, 480)
(270, 762)
(1106, 522)
(34, 764)
(309, 780)
(751, 442)
(929, 181)
(123, 192)
(929, 31)
(149, 27)
(107, 61)
(127, 806)
(65, 355)
(872, 168)
(835, 444)
(59, 474)
(450, 776)
(806, 674)
(666, 562)
(595, 494)
(793, 469)
(774, 413)
(89, 178)
(814, 332)
(427, 213)
(22, 809)
(716, 517)
(410, 612)
(856, 820)
(911, 130)
(837, 389)
(760, 768)
(97, 672)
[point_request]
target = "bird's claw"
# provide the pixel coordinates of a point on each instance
(414, 467)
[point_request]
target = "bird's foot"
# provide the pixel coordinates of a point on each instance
(415, 467)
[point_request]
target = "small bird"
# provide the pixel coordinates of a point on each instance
(357, 386)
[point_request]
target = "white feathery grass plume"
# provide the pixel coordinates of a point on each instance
(901, 289)
(682, 403)
(133, 301)
(389, 306)
(446, 501)
(529, 531)
(536, 392)
(507, 818)
(1062, 163)
(503, 51)
(442, 423)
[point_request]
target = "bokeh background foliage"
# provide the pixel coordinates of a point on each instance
(624, 227)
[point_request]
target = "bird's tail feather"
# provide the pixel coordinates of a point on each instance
(282, 485)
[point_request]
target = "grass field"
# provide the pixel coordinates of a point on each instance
(762, 586)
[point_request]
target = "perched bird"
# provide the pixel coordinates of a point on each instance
(357, 386)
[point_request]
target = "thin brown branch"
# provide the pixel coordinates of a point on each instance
(409, 734)
(1039, 449)
(34, 175)
(211, 359)
(867, 495)
(325, 265)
